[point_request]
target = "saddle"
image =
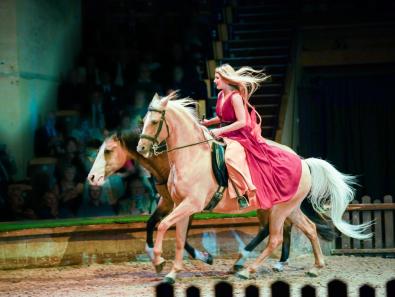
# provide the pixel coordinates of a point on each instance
(220, 173)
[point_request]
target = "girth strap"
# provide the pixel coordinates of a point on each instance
(215, 199)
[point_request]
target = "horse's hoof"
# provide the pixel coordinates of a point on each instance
(279, 266)
(209, 259)
(169, 280)
(237, 268)
(243, 274)
(313, 272)
(150, 252)
(159, 267)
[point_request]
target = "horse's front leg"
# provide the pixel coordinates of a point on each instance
(183, 211)
(164, 207)
(181, 232)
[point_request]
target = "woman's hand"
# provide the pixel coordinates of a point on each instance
(210, 122)
(205, 122)
(216, 133)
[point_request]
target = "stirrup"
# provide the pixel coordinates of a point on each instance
(243, 202)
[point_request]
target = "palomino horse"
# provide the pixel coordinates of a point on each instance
(118, 148)
(192, 184)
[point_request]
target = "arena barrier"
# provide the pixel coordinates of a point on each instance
(335, 288)
(382, 214)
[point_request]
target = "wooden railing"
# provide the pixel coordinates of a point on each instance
(382, 215)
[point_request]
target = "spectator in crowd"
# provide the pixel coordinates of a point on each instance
(48, 206)
(95, 203)
(73, 155)
(69, 191)
(48, 140)
(18, 203)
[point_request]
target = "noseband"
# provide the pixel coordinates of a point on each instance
(154, 139)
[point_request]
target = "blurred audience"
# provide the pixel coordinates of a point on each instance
(107, 91)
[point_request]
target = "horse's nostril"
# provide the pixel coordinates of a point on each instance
(92, 178)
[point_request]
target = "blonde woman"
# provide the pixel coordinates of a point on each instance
(259, 174)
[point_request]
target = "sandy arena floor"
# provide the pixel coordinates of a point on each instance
(139, 279)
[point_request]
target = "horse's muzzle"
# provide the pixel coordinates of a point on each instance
(95, 180)
(144, 150)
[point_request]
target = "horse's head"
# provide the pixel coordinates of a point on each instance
(111, 157)
(155, 128)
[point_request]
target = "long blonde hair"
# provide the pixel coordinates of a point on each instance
(246, 80)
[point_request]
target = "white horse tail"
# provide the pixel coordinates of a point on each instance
(331, 191)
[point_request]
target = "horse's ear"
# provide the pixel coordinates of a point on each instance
(156, 97)
(164, 101)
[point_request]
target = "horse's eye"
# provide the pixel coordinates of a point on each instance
(106, 151)
(154, 122)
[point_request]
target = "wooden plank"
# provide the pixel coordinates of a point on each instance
(363, 251)
(378, 227)
(218, 50)
(367, 217)
(223, 32)
(133, 227)
(389, 224)
(365, 207)
(211, 65)
(355, 221)
(345, 240)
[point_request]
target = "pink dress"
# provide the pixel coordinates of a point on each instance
(275, 173)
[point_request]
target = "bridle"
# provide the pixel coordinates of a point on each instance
(154, 139)
(157, 148)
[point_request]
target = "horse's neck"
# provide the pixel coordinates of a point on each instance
(185, 132)
(158, 166)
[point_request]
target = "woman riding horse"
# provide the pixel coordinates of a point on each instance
(287, 177)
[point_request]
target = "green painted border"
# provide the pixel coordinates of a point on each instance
(20, 225)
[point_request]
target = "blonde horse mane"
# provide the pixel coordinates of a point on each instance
(186, 105)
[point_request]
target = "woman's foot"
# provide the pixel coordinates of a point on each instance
(243, 202)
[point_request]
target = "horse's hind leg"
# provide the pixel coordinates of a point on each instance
(310, 230)
(279, 266)
(244, 254)
(263, 217)
(277, 218)
(194, 252)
